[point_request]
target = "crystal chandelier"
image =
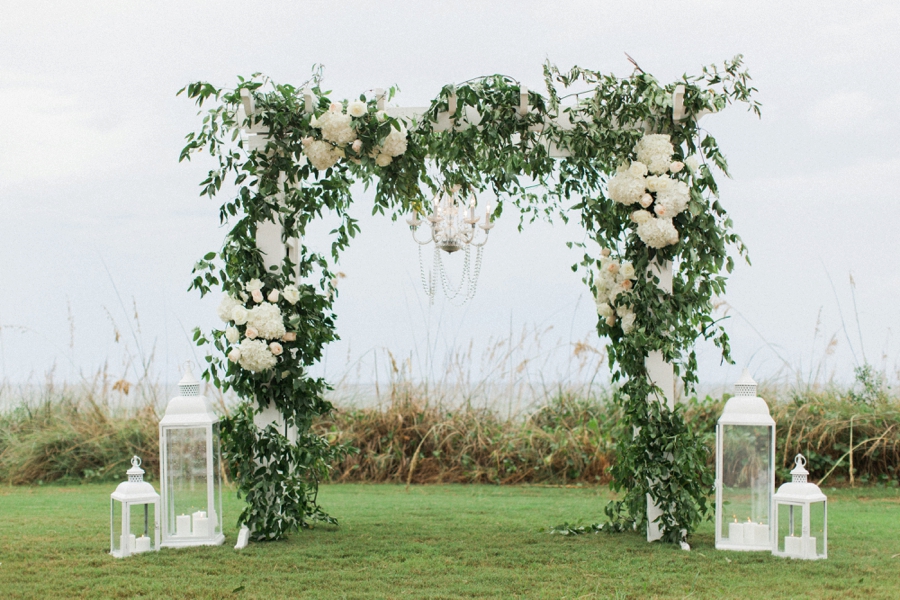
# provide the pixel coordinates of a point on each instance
(453, 226)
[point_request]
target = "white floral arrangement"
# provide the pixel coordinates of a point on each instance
(614, 279)
(649, 182)
(263, 325)
(338, 130)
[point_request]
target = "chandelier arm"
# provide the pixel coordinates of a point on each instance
(483, 242)
(426, 242)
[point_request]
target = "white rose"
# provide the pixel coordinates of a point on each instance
(273, 296)
(289, 336)
(383, 160)
(234, 355)
(253, 285)
(239, 315)
(692, 163)
(676, 166)
(357, 108)
(275, 348)
(251, 333)
(605, 310)
(628, 323)
(646, 200)
(641, 216)
(611, 320)
(291, 294)
(232, 334)
(627, 271)
(381, 115)
(257, 296)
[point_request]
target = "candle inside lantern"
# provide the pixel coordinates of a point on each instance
(792, 546)
(183, 525)
(142, 544)
(201, 524)
(127, 543)
(736, 533)
(809, 546)
(760, 534)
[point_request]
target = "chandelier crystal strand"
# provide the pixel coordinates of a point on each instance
(452, 226)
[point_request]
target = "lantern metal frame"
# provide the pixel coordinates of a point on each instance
(185, 413)
(129, 494)
(745, 408)
(799, 493)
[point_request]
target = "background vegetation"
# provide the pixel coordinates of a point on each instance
(88, 432)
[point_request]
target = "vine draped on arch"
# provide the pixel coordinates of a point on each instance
(306, 166)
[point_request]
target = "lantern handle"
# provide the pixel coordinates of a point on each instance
(186, 368)
(800, 460)
(135, 461)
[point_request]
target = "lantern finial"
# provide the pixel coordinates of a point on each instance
(799, 471)
(188, 386)
(745, 386)
(135, 473)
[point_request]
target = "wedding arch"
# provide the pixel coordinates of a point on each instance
(626, 155)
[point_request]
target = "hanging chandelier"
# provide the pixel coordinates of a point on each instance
(453, 226)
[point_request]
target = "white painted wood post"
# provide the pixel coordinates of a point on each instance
(662, 375)
(274, 250)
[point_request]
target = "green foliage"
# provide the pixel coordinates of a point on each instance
(490, 145)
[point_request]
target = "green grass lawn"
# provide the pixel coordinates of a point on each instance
(436, 542)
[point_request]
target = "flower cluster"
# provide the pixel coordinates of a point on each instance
(263, 325)
(647, 181)
(614, 279)
(339, 130)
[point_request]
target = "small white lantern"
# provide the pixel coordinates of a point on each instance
(745, 471)
(801, 501)
(190, 483)
(133, 509)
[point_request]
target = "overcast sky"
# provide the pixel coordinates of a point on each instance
(99, 221)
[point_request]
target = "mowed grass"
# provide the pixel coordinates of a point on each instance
(442, 541)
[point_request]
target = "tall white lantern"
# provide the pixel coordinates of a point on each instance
(133, 515)
(190, 483)
(801, 516)
(745, 471)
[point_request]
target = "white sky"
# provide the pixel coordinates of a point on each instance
(97, 217)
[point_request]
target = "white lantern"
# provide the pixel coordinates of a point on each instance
(133, 511)
(801, 515)
(745, 471)
(190, 483)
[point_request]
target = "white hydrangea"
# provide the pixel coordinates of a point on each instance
(672, 200)
(226, 306)
(232, 334)
(383, 160)
(255, 356)
(604, 309)
(395, 143)
(625, 188)
(655, 150)
(267, 320)
(657, 233)
(641, 216)
(321, 155)
(336, 127)
(659, 183)
(291, 294)
(357, 108)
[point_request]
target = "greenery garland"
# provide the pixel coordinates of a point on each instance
(307, 168)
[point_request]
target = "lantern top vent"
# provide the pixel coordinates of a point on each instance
(135, 473)
(799, 471)
(745, 386)
(188, 386)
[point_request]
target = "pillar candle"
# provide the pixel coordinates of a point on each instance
(736, 534)
(792, 546)
(809, 546)
(142, 544)
(760, 534)
(127, 543)
(201, 524)
(183, 525)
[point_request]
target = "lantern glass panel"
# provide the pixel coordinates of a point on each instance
(115, 527)
(746, 479)
(216, 518)
(186, 474)
(817, 526)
